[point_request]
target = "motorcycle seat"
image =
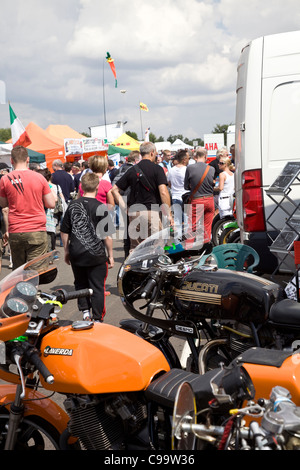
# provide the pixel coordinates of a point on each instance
(163, 390)
(286, 313)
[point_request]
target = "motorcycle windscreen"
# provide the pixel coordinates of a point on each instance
(167, 242)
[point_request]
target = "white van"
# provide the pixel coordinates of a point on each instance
(267, 136)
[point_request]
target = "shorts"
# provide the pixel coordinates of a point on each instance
(25, 246)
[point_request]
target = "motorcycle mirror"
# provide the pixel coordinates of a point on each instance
(184, 413)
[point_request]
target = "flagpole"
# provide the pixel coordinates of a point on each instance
(141, 120)
(104, 110)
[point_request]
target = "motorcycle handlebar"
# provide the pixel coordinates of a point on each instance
(35, 360)
(31, 354)
(63, 296)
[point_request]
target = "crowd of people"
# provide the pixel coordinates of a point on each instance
(81, 204)
(149, 202)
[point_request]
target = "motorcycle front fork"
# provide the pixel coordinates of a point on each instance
(16, 411)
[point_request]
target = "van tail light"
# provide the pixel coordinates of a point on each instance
(253, 202)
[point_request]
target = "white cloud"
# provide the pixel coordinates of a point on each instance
(177, 56)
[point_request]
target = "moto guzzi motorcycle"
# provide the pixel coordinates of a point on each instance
(233, 420)
(220, 312)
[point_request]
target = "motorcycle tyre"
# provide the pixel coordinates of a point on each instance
(225, 235)
(217, 229)
(235, 237)
(36, 431)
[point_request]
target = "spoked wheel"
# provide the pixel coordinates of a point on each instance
(234, 237)
(225, 235)
(218, 227)
(31, 436)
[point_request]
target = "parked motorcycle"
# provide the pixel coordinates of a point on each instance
(119, 389)
(233, 420)
(230, 233)
(29, 420)
(218, 226)
(226, 312)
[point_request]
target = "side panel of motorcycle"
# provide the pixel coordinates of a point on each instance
(36, 404)
(225, 294)
(103, 359)
(265, 377)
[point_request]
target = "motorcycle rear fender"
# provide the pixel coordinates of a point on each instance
(36, 404)
(233, 224)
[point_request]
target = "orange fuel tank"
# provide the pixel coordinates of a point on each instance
(102, 359)
(265, 377)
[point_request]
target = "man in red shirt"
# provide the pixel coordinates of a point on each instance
(26, 193)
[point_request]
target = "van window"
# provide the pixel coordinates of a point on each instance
(284, 122)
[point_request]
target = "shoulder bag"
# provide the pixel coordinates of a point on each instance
(187, 197)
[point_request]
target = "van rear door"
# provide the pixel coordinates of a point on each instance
(267, 127)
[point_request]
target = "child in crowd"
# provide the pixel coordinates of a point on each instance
(86, 232)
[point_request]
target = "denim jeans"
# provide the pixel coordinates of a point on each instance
(180, 217)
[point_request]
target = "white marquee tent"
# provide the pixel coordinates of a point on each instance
(178, 145)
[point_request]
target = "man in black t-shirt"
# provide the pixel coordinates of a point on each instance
(86, 234)
(149, 197)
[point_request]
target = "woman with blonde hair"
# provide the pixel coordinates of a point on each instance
(226, 187)
(98, 164)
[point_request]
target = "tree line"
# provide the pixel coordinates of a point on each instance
(218, 129)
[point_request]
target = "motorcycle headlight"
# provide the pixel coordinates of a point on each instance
(237, 383)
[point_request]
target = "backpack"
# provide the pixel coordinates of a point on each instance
(59, 207)
(119, 175)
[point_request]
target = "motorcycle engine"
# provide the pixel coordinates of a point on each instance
(241, 337)
(104, 424)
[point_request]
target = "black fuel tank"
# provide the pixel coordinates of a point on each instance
(225, 294)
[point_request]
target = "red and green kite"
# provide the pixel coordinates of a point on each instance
(112, 66)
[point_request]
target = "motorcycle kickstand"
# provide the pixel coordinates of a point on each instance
(16, 411)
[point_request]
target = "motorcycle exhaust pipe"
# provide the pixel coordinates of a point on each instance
(203, 353)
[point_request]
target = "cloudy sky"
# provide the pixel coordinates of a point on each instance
(179, 57)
